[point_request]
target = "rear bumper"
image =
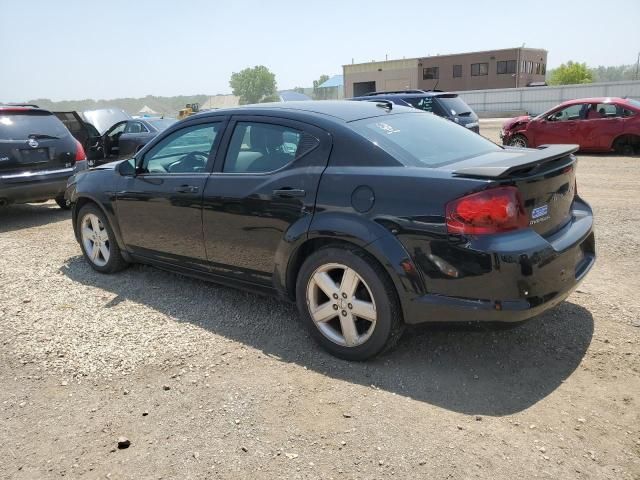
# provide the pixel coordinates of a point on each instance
(515, 277)
(36, 186)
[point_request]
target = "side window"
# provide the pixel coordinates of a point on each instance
(627, 113)
(574, 112)
(261, 147)
(183, 151)
(135, 127)
(607, 110)
(118, 130)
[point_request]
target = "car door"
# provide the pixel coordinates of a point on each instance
(263, 189)
(84, 132)
(160, 207)
(111, 139)
(599, 129)
(560, 126)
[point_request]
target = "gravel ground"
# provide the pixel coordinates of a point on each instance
(208, 382)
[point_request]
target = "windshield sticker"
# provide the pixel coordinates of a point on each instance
(388, 129)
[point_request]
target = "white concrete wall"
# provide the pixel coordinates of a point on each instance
(536, 100)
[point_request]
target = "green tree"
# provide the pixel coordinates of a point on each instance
(253, 84)
(614, 74)
(570, 73)
(318, 93)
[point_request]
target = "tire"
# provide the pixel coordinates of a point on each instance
(519, 141)
(62, 203)
(108, 258)
(367, 288)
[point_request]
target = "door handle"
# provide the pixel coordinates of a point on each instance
(289, 192)
(187, 189)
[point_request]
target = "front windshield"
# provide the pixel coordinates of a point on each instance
(423, 140)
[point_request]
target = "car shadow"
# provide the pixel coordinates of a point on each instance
(17, 217)
(472, 369)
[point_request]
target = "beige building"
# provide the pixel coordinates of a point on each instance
(510, 67)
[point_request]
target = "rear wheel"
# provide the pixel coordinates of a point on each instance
(519, 141)
(348, 303)
(627, 145)
(98, 242)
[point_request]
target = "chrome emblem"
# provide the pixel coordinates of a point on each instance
(32, 143)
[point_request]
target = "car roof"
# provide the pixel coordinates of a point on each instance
(22, 108)
(342, 110)
(594, 100)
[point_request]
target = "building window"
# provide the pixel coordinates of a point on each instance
(430, 73)
(457, 71)
(506, 66)
(479, 69)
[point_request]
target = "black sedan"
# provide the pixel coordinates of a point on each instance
(369, 215)
(125, 138)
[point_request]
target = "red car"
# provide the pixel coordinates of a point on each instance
(596, 124)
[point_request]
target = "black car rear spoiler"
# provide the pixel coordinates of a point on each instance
(520, 160)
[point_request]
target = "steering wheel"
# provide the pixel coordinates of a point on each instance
(189, 162)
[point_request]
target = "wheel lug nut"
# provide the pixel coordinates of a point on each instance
(344, 313)
(350, 306)
(344, 295)
(335, 295)
(335, 307)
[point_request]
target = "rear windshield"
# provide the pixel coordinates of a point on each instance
(423, 139)
(454, 105)
(421, 103)
(633, 102)
(22, 125)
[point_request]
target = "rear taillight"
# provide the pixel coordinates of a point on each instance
(80, 155)
(491, 211)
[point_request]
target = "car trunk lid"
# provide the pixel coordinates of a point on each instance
(545, 178)
(32, 139)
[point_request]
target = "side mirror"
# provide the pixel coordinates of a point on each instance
(127, 168)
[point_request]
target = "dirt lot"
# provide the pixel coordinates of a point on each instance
(208, 382)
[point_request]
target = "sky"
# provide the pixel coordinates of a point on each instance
(72, 50)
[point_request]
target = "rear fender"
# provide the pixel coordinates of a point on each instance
(353, 229)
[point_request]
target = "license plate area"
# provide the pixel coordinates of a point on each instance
(34, 155)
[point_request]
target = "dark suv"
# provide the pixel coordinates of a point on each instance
(443, 104)
(37, 155)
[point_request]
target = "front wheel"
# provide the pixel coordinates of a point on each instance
(519, 141)
(348, 302)
(98, 242)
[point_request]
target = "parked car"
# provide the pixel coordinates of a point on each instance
(595, 124)
(37, 156)
(368, 215)
(125, 138)
(443, 104)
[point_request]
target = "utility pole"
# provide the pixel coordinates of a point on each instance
(637, 65)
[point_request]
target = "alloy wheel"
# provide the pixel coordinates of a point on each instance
(519, 142)
(95, 240)
(341, 305)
